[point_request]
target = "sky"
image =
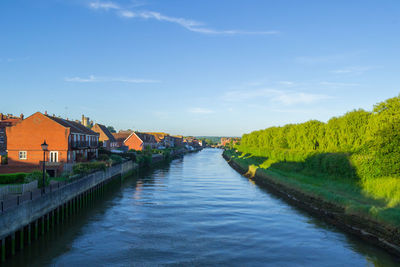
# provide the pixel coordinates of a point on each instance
(207, 67)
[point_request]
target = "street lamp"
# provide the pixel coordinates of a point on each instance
(44, 148)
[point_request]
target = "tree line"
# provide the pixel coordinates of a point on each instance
(368, 140)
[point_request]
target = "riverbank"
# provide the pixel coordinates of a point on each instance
(337, 202)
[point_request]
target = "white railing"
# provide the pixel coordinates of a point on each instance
(17, 188)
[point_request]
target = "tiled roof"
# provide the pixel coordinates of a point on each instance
(105, 130)
(146, 137)
(121, 136)
(75, 127)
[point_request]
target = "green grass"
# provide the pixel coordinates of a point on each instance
(374, 199)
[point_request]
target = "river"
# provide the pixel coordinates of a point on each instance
(197, 210)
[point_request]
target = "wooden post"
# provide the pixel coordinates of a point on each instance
(29, 234)
(42, 225)
(3, 250)
(36, 229)
(21, 239)
(13, 244)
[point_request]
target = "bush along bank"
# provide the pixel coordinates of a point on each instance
(351, 162)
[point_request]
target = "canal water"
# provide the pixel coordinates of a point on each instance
(197, 211)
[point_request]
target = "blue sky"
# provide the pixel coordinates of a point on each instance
(221, 67)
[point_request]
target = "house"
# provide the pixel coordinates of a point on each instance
(105, 136)
(140, 141)
(163, 139)
(6, 121)
(227, 140)
(68, 142)
(120, 138)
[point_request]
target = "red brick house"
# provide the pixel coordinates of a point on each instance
(68, 142)
(120, 138)
(105, 136)
(140, 141)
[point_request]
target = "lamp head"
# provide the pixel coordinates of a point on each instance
(44, 146)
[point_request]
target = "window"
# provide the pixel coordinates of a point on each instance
(1, 139)
(53, 156)
(22, 155)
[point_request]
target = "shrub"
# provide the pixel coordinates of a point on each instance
(103, 157)
(116, 159)
(12, 178)
(87, 167)
(37, 175)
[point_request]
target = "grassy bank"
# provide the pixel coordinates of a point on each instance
(353, 195)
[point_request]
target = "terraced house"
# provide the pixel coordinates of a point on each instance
(68, 142)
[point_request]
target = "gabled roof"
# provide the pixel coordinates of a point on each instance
(75, 127)
(105, 130)
(121, 136)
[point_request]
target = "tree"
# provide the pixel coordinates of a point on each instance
(111, 129)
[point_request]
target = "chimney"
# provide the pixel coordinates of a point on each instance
(45, 113)
(22, 116)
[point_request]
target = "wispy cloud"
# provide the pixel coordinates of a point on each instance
(200, 110)
(93, 78)
(287, 83)
(339, 84)
(103, 5)
(355, 69)
(188, 24)
(14, 59)
(275, 96)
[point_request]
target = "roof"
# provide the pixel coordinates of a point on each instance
(158, 136)
(75, 127)
(121, 136)
(147, 137)
(107, 132)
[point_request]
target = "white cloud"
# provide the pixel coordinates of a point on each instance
(103, 5)
(200, 111)
(354, 70)
(336, 84)
(15, 59)
(93, 78)
(188, 24)
(287, 83)
(275, 96)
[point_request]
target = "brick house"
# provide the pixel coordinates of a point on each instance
(120, 138)
(163, 139)
(140, 141)
(105, 136)
(6, 121)
(68, 142)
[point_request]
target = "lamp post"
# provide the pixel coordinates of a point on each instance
(44, 148)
